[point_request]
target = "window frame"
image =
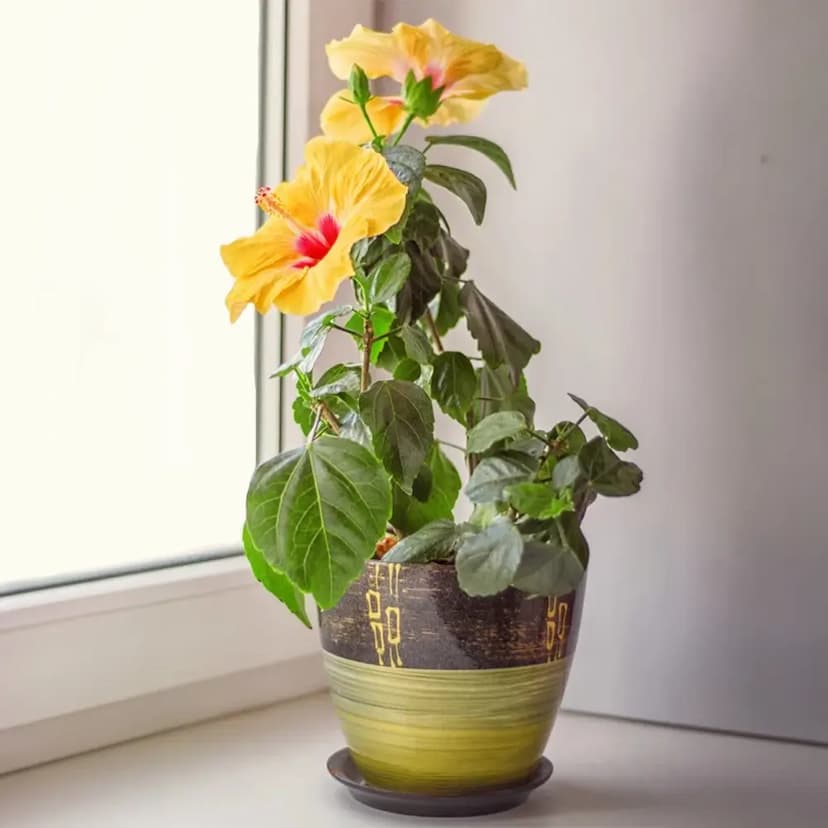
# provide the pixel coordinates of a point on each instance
(94, 662)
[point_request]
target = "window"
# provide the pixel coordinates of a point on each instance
(135, 136)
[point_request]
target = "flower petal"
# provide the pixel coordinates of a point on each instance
(455, 110)
(376, 52)
(342, 119)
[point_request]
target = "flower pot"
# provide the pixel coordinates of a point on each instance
(441, 693)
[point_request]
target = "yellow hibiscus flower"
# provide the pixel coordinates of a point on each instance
(468, 70)
(300, 255)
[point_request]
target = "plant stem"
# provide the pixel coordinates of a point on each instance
(406, 124)
(451, 445)
(314, 427)
(364, 110)
(341, 328)
(389, 333)
(367, 342)
(432, 329)
(329, 417)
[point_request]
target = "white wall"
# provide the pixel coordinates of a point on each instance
(668, 243)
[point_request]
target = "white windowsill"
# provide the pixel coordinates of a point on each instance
(267, 767)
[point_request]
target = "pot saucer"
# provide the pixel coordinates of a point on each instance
(487, 801)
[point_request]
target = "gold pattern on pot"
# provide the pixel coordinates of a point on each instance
(385, 626)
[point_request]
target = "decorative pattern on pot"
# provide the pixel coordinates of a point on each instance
(439, 692)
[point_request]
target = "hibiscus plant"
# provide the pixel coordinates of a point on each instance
(372, 479)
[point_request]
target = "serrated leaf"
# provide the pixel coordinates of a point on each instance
(487, 561)
(407, 369)
(432, 542)
(493, 474)
(423, 284)
(496, 427)
(497, 391)
(311, 342)
(338, 379)
(547, 569)
(566, 472)
(387, 277)
(410, 514)
(401, 420)
(453, 383)
(500, 338)
(417, 346)
(617, 435)
(606, 473)
(407, 164)
(275, 582)
(317, 512)
(538, 500)
(490, 149)
(465, 185)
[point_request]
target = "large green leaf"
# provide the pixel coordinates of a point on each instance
(351, 427)
(490, 149)
(448, 307)
(567, 472)
(606, 473)
(497, 391)
(407, 164)
(401, 420)
(410, 513)
(453, 255)
(493, 474)
(453, 383)
(487, 561)
(618, 436)
(432, 542)
(501, 339)
(496, 427)
(465, 185)
(417, 346)
(423, 284)
(571, 537)
(387, 277)
(538, 500)
(547, 569)
(338, 379)
(423, 224)
(317, 512)
(275, 582)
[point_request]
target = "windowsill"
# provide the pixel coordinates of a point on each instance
(267, 767)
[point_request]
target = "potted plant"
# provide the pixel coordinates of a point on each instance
(447, 641)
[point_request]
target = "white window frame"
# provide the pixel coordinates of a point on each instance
(101, 661)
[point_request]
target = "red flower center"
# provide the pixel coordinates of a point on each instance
(313, 245)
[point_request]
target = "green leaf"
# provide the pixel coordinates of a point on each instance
(493, 474)
(351, 427)
(303, 415)
(416, 343)
(618, 436)
(338, 379)
(381, 321)
(423, 225)
(567, 472)
(367, 252)
(407, 369)
(401, 420)
(570, 437)
(487, 561)
(410, 514)
(423, 284)
(448, 307)
(317, 512)
(548, 569)
(483, 145)
(572, 538)
(453, 383)
(498, 392)
(407, 164)
(539, 500)
(500, 338)
(606, 473)
(451, 254)
(275, 582)
(311, 342)
(465, 185)
(430, 543)
(496, 427)
(387, 277)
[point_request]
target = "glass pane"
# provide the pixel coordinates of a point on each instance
(129, 154)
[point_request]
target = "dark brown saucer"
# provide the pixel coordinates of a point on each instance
(487, 801)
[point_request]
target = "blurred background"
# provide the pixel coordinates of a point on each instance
(666, 243)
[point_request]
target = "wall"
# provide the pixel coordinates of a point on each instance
(668, 244)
